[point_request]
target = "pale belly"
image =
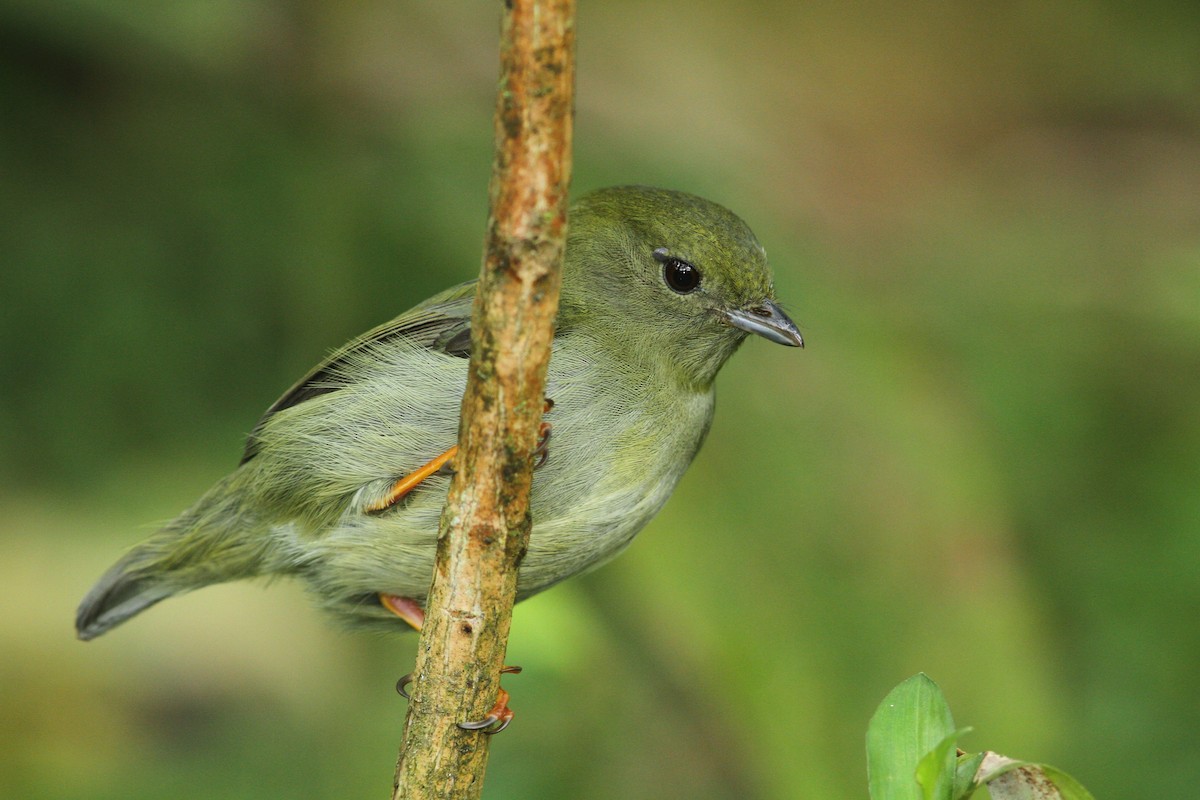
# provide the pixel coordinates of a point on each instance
(614, 459)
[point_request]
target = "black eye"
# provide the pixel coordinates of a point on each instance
(681, 276)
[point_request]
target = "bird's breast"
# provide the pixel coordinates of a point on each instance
(619, 444)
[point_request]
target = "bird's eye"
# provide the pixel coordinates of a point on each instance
(681, 276)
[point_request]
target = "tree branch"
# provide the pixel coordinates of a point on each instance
(486, 522)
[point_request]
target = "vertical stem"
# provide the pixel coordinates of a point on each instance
(486, 522)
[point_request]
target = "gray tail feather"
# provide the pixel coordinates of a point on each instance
(122, 592)
(212, 542)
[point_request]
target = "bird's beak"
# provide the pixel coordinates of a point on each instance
(767, 320)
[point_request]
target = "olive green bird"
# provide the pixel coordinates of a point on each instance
(343, 480)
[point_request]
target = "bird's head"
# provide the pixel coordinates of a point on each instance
(669, 276)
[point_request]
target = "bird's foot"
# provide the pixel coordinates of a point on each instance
(500, 716)
(496, 720)
(542, 451)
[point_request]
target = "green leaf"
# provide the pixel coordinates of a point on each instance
(936, 770)
(1009, 779)
(912, 721)
(964, 775)
(1068, 787)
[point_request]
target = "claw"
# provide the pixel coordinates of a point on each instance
(500, 716)
(542, 451)
(496, 720)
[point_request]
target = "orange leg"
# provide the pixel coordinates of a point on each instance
(409, 482)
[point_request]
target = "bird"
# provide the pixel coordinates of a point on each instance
(342, 481)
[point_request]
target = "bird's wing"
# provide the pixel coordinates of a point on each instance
(442, 323)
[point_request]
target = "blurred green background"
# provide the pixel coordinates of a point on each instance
(985, 218)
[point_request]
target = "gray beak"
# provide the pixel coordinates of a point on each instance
(767, 320)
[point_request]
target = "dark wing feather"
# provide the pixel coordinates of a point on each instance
(441, 323)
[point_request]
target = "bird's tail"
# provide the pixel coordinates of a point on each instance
(212, 542)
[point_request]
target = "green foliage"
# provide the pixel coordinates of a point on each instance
(911, 747)
(907, 740)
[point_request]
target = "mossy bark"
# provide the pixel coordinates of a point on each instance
(486, 522)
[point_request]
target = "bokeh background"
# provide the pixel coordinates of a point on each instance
(985, 218)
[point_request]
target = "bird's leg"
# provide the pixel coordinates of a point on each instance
(409, 482)
(411, 612)
(405, 608)
(406, 484)
(501, 715)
